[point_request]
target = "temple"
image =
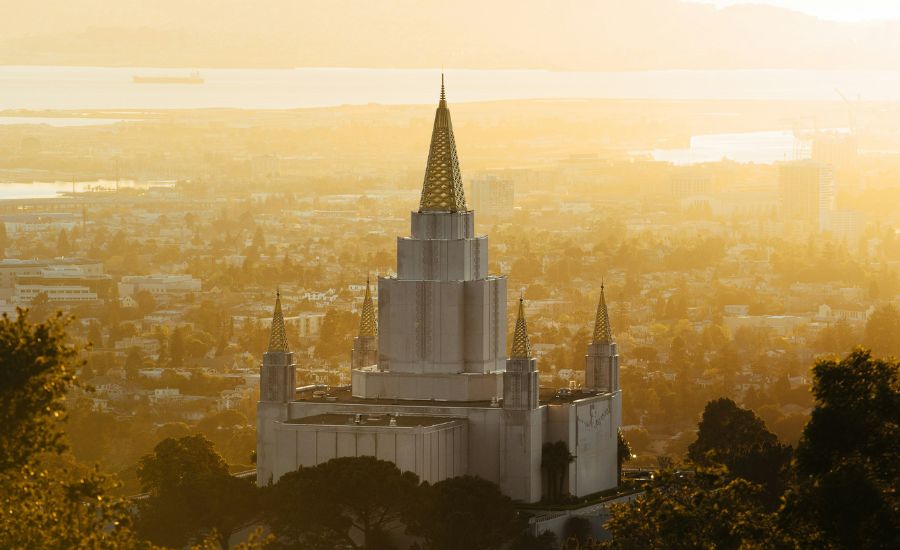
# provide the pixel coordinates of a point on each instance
(432, 388)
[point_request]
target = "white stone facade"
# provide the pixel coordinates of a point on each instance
(442, 400)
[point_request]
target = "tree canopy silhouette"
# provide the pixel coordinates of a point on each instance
(736, 438)
(317, 507)
(191, 494)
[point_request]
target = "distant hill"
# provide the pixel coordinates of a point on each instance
(561, 35)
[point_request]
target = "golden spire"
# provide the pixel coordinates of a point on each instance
(521, 347)
(367, 325)
(278, 339)
(442, 190)
(602, 330)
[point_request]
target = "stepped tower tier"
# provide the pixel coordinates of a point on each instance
(442, 319)
(602, 359)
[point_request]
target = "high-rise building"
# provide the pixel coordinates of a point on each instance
(847, 225)
(440, 398)
(807, 192)
(493, 197)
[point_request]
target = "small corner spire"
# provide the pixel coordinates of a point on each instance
(602, 330)
(278, 338)
(367, 325)
(521, 347)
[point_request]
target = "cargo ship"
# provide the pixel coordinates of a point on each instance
(192, 78)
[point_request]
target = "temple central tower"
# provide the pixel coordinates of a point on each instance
(442, 319)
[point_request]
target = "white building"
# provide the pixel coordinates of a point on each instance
(432, 387)
(158, 285)
(25, 294)
(42, 222)
(847, 225)
(807, 193)
(12, 270)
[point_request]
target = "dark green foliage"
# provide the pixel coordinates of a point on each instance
(737, 439)
(577, 528)
(527, 541)
(883, 331)
(42, 508)
(843, 493)
(191, 493)
(848, 461)
(706, 510)
(463, 513)
(317, 507)
(623, 453)
(37, 368)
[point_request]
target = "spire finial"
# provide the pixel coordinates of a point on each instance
(521, 347)
(602, 330)
(278, 338)
(442, 190)
(367, 325)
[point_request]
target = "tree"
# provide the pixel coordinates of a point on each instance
(315, 507)
(95, 335)
(638, 439)
(146, 303)
(37, 369)
(40, 509)
(736, 438)
(848, 460)
(176, 347)
(704, 510)
(555, 460)
(527, 541)
(883, 331)
(463, 513)
(259, 239)
(63, 248)
(577, 529)
(338, 328)
(623, 454)
(191, 493)
(134, 360)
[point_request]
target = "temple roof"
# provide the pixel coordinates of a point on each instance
(367, 325)
(521, 346)
(278, 339)
(442, 190)
(602, 330)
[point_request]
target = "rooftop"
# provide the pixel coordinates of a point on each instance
(372, 420)
(548, 396)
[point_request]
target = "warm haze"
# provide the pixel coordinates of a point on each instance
(424, 275)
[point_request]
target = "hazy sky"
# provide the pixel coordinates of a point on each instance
(580, 35)
(836, 10)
